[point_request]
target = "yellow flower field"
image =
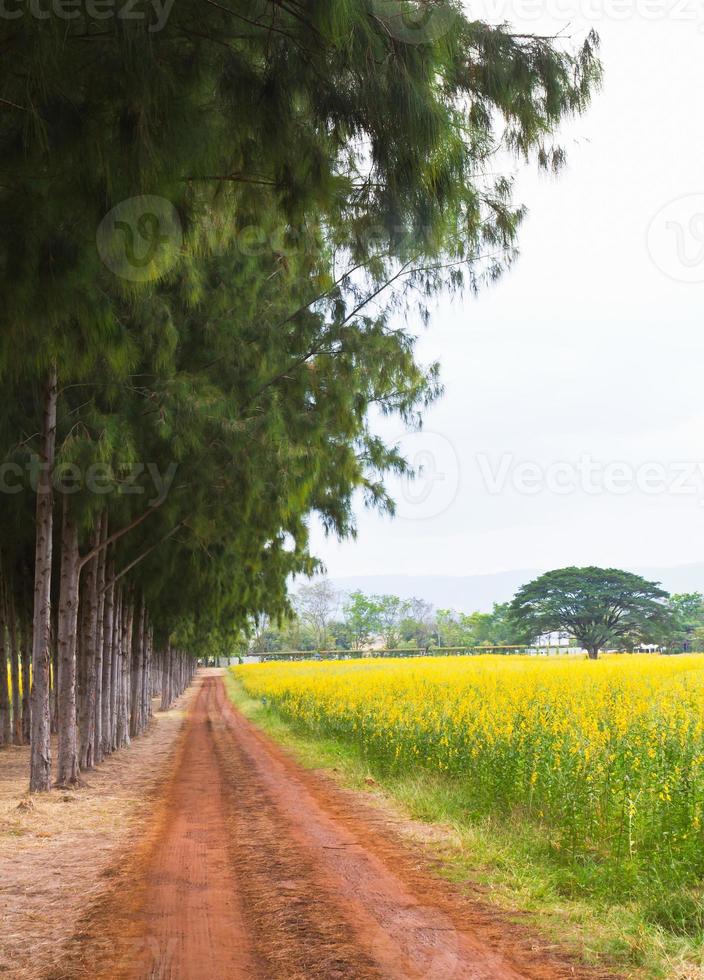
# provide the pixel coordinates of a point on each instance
(608, 755)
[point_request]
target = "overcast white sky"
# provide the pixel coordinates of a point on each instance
(572, 427)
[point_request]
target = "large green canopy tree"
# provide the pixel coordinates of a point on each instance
(595, 605)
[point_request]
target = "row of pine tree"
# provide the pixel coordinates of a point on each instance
(110, 669)
(218, 228)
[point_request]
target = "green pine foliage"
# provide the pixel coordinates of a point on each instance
(325, 177)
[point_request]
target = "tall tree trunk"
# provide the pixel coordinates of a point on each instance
(54, 691)
(158, 672)
(137, 668)
(157, 668)
(5, 717)
(108, 620)
(127, 665)
(123, 713)
(116, 670)
(15, 674)
(26, 655)
(100, 649)
(68, 619)
(147, 675)
(81, 644)
(90, 655)
(166, 688)
(40, 762)
(82, 654)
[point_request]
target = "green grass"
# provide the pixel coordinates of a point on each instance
(511, 863)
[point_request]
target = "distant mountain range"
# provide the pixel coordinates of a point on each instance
(468, 593)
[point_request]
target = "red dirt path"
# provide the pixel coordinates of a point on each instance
(255, 868)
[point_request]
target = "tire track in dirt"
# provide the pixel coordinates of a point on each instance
(194, 926)
(258, 869)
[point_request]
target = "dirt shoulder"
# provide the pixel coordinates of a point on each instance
(59, 850)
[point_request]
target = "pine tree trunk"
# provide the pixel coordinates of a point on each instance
(17, 736)
(90, 656)
(5, 718)
(81, 644)
(100, 649)
(26, 655)
(157, 669)
(166, 678)
(119, 675)
(137, 668)
(108, 626)
(40, 763)
(54, 690)
(116, 670)
(68, 620)
(147, 676)
(123, 715)
(127, 666)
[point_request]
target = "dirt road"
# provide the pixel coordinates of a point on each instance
(257, 869)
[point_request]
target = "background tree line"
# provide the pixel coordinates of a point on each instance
(324, 619)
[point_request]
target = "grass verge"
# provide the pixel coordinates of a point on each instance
(509, 862)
